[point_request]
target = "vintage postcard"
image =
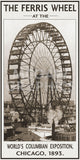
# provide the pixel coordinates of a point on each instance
(40, 110)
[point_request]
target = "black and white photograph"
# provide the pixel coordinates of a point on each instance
(38, 103)
(40, 79)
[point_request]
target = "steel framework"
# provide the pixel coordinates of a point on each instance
(39, 70)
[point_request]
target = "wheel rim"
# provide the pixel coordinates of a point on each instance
(39, 44)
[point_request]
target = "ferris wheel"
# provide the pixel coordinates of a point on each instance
(39, 70)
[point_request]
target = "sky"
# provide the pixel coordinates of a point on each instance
(11, 29)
